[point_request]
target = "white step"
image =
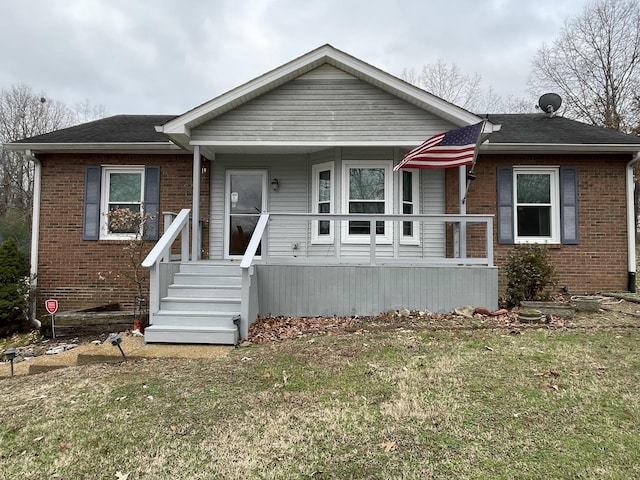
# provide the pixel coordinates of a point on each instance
(196, 335)
(205, 291)
(207, 268)
(198, 304)
(194, 319)
(182, 278)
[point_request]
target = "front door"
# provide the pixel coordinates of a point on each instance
(245, 200)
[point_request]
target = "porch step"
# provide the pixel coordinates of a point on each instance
(194, 319)
(200, 306)
(182, 278)
(191, 334)
(204, 291)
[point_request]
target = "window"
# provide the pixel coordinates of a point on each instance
(120, 190)
(367, 190)
(122, 202)
(322, 191)
(409, 205)
(537, 205)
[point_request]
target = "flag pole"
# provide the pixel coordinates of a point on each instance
(470, 176)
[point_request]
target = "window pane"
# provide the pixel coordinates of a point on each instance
(124, 218)
(366, 207)
(323, 225)
(366, 184)
(407, 187)
(534, 188)
(407, 227)
(125, 187)
(324, 193)
(534, 221)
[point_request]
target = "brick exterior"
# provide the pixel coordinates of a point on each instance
(599, 261)
(80, 273)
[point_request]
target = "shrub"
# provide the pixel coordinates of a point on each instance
(14, 289)
(530, 275)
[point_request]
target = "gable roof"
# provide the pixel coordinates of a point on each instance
(179, 128)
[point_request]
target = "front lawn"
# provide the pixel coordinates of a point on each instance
(465, 403)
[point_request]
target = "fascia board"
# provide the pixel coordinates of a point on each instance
(559, 148)
(92, 147)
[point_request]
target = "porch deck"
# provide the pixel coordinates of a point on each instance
(299, 283)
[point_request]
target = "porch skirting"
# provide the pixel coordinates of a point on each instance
(313, 290)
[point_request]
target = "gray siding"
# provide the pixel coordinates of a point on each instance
(324, 105)
(294, 173)
(347, 290)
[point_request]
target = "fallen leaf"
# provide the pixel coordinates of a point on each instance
(488, 348)
(629, 414)
(121, 476)
(37, 439)
(388, 446)
(548, 373)
(64, 446)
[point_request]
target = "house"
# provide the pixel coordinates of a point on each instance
(279, 197)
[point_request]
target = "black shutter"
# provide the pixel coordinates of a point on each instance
(91, 211)
(505, 205)
(151, 202)
(569, 205)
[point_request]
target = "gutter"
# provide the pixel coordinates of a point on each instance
(631, 226)
(35, 232)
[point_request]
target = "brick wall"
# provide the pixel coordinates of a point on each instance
(80, 273)
(599, 262)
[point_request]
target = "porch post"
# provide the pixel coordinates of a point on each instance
(195, 209)
(462, 188)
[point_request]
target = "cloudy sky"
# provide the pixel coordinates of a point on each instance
(167, 56)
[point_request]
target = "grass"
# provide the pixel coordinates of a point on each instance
(403, 404)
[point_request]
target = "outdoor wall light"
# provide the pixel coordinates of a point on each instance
(275, 184)
(116, 340)
(10, 354)
(471, 176)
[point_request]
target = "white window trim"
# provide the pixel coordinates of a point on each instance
(104, 200)
(554, 173)
(316, 238)
(415, 201)
(387, 238)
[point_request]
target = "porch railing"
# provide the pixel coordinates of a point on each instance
(161, 252)
(393, 248)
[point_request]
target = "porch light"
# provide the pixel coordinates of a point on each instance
(275, 184)
(471, 176)
(10, 354)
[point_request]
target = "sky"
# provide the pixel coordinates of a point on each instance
(168, 56)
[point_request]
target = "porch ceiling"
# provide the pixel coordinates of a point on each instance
(209, 151)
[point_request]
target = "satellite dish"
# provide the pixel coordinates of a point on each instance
(549, 103)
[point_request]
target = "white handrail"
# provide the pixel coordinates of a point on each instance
(163, 246)
(252, 248)
(161, 252)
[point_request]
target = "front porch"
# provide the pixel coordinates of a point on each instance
(220, 299)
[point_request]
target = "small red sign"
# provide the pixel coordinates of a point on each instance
(51, 305)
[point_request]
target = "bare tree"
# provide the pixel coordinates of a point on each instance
(23, 114)
(448, 82)
(593, 64)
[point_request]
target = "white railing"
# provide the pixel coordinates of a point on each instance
(161, 252)
(249, 303)
(374, 243)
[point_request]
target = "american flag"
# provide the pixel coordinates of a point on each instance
(444, 150)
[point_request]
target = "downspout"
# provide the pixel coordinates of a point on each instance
(631, 226)
(35, 232)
